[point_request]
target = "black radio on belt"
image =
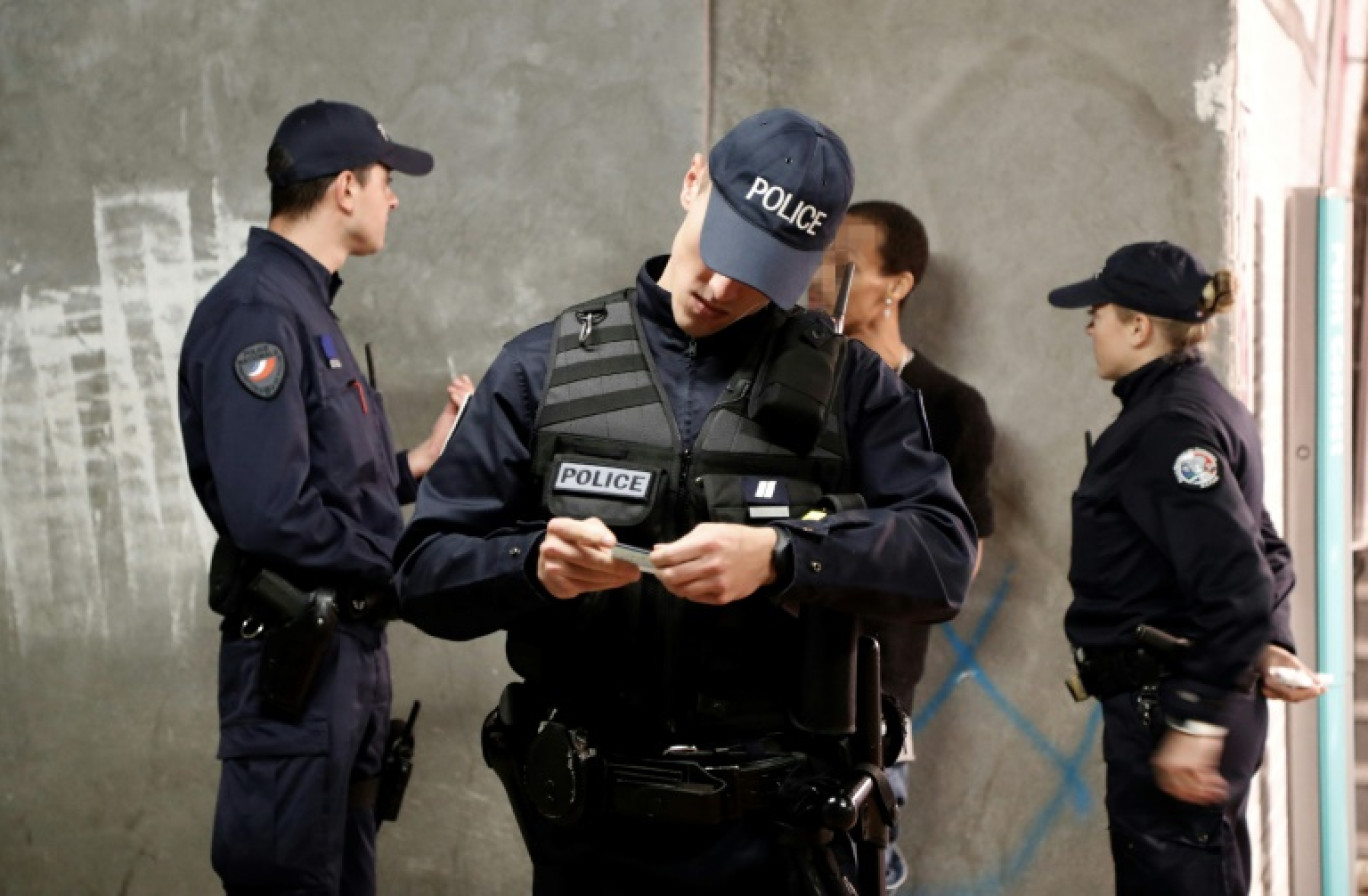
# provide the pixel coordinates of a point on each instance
(397, 766)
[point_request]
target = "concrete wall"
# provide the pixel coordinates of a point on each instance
(1032, 143)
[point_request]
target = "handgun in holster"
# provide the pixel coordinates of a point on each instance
(397, 766)
(1121, 670)
(299, 627)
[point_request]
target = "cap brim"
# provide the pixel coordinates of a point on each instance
(406, 160)
(1083, 294)
(736, 248)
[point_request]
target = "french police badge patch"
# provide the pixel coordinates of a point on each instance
(261, 369)
(1197, 468)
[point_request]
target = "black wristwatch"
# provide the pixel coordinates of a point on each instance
(782, 556)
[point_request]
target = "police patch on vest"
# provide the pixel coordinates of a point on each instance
(1197, 468)
(592, 479)
(261, 369)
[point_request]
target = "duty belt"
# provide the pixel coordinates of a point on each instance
(374, 607)
(252, 616)
(565, 778)
(1107, 672)
(694, 791)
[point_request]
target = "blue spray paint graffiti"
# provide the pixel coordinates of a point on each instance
(1071, 789)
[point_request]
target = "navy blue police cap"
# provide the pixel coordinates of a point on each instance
(1153, 278)
(324, 138)
(781, 182)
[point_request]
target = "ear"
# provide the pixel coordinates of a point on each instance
(344, 189)
(901, 285)
(1141, 330)
(695, 181)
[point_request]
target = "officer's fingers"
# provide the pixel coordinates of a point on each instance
(459, 389)
(1210, 788)
(1297, 695)
(1275, 691)
(1191, 782)
(568, 579)
(706, 540)
(588, 533)
(558, 579)
(690, 579)
(700, 591)
(704, 585)
(677, 553)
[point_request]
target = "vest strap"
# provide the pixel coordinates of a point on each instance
(600, 336)
(584, 370)
(597, 404)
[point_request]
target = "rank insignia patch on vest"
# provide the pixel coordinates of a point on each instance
(612, 482)
(1197, 468)
(261, 369)
(766, 499)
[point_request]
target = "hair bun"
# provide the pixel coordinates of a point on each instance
(1219, 294)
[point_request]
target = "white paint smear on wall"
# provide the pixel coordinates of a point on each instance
(101, 528)
(1212, 96)
(75, 601)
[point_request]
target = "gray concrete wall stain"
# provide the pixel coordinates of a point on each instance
(1031, 141)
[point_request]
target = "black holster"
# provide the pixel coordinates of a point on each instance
(299, 629)
(503, 740)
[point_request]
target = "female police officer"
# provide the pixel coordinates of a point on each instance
(1180, 581)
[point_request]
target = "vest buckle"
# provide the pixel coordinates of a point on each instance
(588, 320)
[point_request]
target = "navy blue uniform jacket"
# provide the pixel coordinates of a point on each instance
(1169, 547)
(305, 480)
(467, 560)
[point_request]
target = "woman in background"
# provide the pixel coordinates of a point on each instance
(1180, 581)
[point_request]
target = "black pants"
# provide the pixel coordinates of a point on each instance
(621, 857)
(1164, 846)
(283, 824)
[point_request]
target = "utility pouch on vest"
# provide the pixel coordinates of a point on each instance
(293, 650)
(793, 388)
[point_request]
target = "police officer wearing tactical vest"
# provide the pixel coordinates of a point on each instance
(764, 465)
(290, 454)
(1180, 581)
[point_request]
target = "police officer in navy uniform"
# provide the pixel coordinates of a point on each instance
(671, 417)
(1180, 580)
(291, 457)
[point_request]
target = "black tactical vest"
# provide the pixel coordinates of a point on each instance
(637, 664)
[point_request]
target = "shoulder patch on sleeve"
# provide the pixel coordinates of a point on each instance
(261, 369)
(1197, 468)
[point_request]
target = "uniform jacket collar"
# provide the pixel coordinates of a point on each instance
(1139, 383)
(326, 282)
(653, 303)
